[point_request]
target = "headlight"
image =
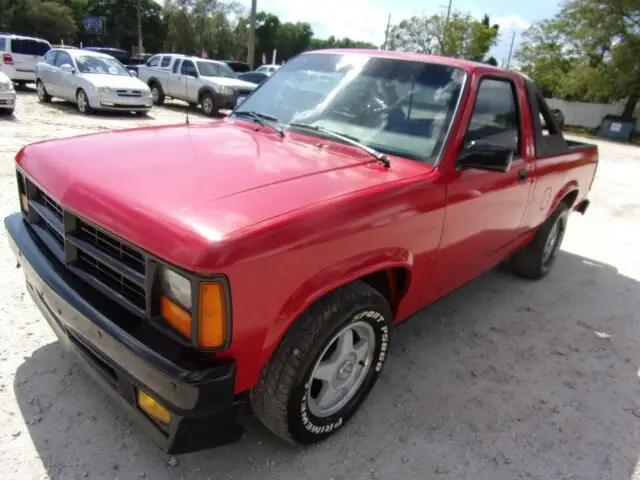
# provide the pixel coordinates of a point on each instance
(6, 86)
(177, 287)
(225, 90)
(208, 318)
(105, 90)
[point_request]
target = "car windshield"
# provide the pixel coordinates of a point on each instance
(211, 69)
(100, 65)
(399, 107)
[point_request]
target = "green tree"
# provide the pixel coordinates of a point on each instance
(333, 42)
(293, 38)
(48, 19)
(461, 36)
(587, 52)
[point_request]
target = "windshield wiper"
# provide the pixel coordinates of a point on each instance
(350, 140)
(260, 118)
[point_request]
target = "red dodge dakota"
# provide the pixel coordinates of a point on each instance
(261, 259)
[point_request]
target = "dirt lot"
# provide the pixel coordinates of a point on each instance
(505, 379)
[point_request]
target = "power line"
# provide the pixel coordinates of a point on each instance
(446, 26)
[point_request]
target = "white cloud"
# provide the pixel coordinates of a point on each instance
(512, 21)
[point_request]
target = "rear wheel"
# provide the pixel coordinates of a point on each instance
(83, 102)
(325, 366)
(43, 96)
(157, 94)
(536, 259)
(208, 104)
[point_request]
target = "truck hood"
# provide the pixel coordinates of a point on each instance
(230, 82)
(176, 190)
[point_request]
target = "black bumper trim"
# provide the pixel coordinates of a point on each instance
(204, 408)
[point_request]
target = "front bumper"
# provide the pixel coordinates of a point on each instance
(107, 101)
(226, 101)
(203, 407)
(7, 99)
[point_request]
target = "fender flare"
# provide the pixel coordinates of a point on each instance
(328, 280)
(206, 88)
(569, 188)
(153, 80)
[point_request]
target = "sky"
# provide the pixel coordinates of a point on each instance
(366, 20)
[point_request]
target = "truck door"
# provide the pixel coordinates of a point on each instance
(174, 85)
(485, 209)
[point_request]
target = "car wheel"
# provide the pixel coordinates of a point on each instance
(83, 102)
(536, 259)
(208, 104)
(43, 96)
(325, 366)
(157, 94)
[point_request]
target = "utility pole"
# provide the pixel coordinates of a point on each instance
(140, 45)
(446, 27)
(386, 34)
(513, 37)
(251, 44)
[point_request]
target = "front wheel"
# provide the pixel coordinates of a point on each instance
(208, 104)
(83, 102)
(157, 93)
(325, 366)
(536, 259)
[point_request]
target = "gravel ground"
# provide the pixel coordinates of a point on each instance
(504, 379)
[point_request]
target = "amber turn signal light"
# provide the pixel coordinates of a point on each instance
(152, 408)
(25, 202)
(212, 317)
(176, 316)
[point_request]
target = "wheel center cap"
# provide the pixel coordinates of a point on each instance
(345, 370)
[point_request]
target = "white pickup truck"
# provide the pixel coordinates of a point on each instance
(194, 80)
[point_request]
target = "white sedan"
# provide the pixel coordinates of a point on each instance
(92, 80)
(7, 95)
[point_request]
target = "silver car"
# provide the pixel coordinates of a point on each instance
(7, 94)
(92, 80)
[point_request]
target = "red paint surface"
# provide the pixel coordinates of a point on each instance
(288, 221)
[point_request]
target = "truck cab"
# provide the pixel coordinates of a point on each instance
(264, 258)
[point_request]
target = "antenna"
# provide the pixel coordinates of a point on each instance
(186, 89)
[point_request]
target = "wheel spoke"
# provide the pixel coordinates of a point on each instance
(345, 343)
(328, 396)
(325, 370)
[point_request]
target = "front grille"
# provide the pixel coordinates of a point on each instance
(243, 92)
(129, 93)
(99, 258)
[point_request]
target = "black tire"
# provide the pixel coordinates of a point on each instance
(532, 261)
(208, 103)
(281, 400)
(43, 95)
(82, 101)
(157, 93)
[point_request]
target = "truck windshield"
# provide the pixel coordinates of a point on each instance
(100, 65)
(399, 107)
(211, 69)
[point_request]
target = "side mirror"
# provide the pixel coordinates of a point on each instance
(133, 73)
(67, 68)
(481, 155)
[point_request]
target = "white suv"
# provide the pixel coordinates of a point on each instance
(19, 56)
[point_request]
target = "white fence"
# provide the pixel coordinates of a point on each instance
(589, 115)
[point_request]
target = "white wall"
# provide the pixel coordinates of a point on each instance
(589, 115)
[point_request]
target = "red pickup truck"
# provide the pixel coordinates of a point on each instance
(263, 258)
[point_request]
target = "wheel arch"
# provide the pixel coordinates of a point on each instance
(568, 194)
(205, 89)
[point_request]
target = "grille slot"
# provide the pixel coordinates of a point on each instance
(111, 246)
(112, 279)
(129, 93)
(101, 259)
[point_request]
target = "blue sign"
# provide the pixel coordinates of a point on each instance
(93, 25)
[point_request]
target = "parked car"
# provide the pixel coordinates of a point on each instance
(266, 256)
(210, 83)
(238, 67)
(268, 69)
(558, 116)
(253, 77)
(20, 55)
(92, 80)
(7, 94)
(121, 55)
(67, 47)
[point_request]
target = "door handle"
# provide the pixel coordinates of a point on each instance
(522, 174)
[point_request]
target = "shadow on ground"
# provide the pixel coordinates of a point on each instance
(504, 379)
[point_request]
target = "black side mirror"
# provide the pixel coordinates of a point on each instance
(482, 155)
